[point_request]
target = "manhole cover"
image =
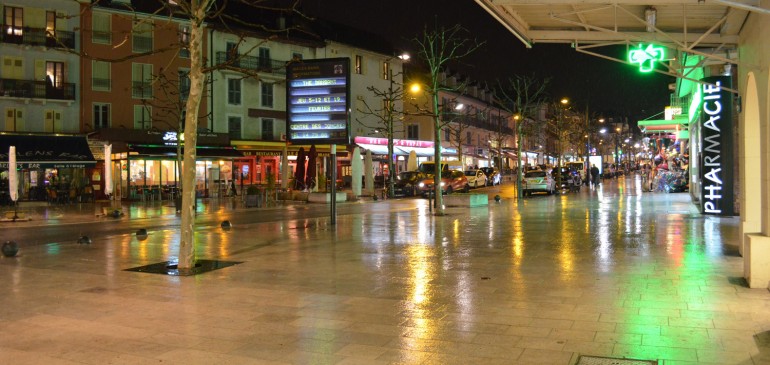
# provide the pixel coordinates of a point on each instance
(595, 360)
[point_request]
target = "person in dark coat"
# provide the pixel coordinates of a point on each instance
(594, 175)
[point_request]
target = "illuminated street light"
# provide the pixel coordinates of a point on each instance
(459, 106)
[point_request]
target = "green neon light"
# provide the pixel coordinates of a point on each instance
(647, 57)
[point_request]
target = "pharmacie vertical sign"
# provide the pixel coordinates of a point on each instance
(716, 162)
(318, 100)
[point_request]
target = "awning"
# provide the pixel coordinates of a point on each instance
(378, 149)
(170, 152)
(46, 151)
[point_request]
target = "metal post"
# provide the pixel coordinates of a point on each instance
(333, 176)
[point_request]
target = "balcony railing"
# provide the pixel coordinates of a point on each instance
(37, 37)
(36, 89)
(252, 63)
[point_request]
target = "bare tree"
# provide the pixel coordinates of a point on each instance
(385, 116)
(523, 96)
(199, 14)
(437, 48)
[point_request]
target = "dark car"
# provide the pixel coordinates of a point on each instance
(407, 183)
(493, 176)
(566, 178)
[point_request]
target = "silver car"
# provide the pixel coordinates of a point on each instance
(538, 181)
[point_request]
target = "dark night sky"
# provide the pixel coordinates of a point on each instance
(607, 87)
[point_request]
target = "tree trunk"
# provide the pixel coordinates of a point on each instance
(197, 80)
(437, 153)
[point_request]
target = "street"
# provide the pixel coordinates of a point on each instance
(608, 272)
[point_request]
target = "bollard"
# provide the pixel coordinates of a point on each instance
(141, 234)
(10, 249)
(84, 240)
(226, 225)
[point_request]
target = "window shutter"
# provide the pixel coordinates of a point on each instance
(48, 124)
(40, 70)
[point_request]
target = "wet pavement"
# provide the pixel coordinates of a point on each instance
(610, 272)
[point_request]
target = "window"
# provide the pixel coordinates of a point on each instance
(386, 71)
(101, 28)
(184, 40)
(359, 65)
(184, 84)
(14, 24)
(296, 56)
(50, 25)
(141, 79)
(468, 138)
(52, 121)
(413, 132)
(12, 68)
(101, 115)
(231, 51)
(14, 120)
(264, 59)
(447, 135)
(54, 72)
(142, 117)
(141, 36)
(234, 127)
(267, 94)
(100, 76)
(234, 91)
(267, 129)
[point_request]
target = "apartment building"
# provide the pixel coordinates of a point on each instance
(39, 73)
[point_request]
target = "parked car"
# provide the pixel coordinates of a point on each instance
(538, 181)
(454, 180)
(566, 178)
(494, 177)
(407, 183)
(580, 167)
(476, 178)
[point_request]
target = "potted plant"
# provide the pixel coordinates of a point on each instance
(252, 196)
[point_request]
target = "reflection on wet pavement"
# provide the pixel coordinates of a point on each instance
(606, 272)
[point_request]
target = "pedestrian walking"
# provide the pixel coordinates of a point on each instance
(594, 175)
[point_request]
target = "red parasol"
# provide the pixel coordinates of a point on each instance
(299, 174)
(311, 168)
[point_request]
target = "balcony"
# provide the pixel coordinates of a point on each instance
(36, 90)
(253, 63)
(37, 37)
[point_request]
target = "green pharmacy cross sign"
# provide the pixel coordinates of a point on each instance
(647, 57)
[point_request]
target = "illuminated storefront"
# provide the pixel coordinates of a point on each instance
(49, 166)
(146, 164)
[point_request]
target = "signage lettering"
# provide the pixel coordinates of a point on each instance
(317, 101)
(716, 140)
